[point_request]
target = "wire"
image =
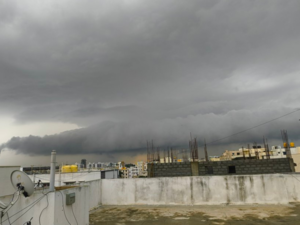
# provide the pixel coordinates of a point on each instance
(10, 205)
(62, 201)
(12, 201)
(29, 208)
(43, 210)
(8, 218)
(30, 205)
(23, 214)
(74, 214)
(28, 222)
(253, 127)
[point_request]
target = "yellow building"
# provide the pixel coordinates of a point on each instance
(214, 159)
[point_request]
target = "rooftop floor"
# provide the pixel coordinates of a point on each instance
(192, 215)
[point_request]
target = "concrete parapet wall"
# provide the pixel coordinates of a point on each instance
(203, 190)
(94, 188)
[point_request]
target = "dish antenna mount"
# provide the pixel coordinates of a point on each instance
(22, 183)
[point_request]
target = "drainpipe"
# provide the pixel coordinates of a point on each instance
(52, 170)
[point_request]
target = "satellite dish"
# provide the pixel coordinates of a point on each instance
(22, 182)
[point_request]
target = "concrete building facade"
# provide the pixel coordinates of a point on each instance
(133, 172)
(248, 166)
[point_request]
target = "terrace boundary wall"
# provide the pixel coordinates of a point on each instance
(192, 190)
(203, 190)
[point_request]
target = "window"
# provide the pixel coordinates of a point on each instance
(238, 153)
(232, 153)
(102, 174)
(231, 169)
(209, 170)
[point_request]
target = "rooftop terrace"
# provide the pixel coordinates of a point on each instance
(197, 215)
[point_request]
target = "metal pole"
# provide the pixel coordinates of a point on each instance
(243, 153)
(52, 170)
(59, 175)
(205, 151)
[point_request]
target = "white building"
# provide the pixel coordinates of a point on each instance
(121, 165)
(141, 166)
(279, 152)
(133, 172)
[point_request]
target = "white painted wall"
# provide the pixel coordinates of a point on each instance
(54, 213)
(6, 187)
(29, 212)
(203, 190)
(94, 190)
(63, 213)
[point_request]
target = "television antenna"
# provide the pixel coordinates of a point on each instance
(22, 183)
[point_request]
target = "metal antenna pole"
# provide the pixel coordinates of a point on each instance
(256, 150)
(205, 151)
(249, 150)
(52, 173)
(147, 152)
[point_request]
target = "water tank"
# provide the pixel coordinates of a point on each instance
(66, 169)
(292, 144)
(74, 168)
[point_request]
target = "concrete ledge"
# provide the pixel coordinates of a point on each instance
(203, 190)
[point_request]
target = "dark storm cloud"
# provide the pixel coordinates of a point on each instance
(128, 137)
(136, 64)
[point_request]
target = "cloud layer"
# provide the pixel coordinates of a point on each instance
(128, 71)
(129, 137)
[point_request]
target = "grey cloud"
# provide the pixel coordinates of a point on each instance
(122, 137)
(146, 62)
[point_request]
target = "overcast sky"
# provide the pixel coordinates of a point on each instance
(111, 75)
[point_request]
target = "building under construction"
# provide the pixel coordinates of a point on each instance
(171, 155)
(238, 167)
(253, 159)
